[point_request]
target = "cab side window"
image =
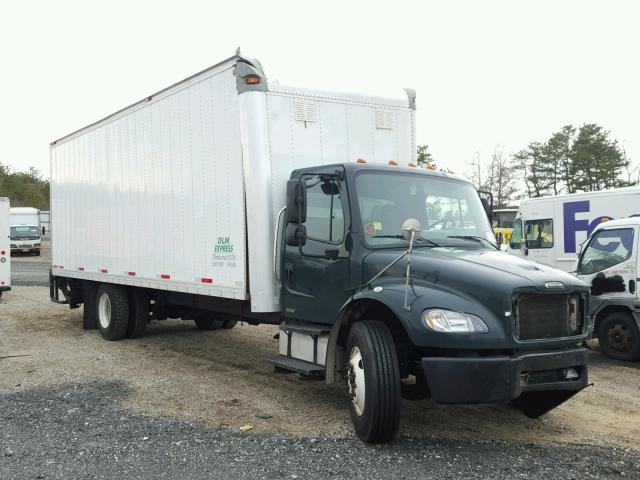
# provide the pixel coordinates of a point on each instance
(539, 233)
(325, 217)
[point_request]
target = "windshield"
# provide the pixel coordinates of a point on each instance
(606, 249)
(24, 232)
(449, 211)
(504, 218)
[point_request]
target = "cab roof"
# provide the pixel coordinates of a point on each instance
(619, 222)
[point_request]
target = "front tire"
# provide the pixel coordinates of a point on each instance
(373, 380)
(112, 311)
(619, 337)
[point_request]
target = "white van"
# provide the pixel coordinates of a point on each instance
(609, 264)
(555, 227)
(5, 257)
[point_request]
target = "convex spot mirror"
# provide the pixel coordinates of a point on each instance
(296, 235)
(410, 226)
(296, 202)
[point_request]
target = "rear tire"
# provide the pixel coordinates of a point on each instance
(138, 313)
(619, 337)
(208, 322)
(112, 311)
(373, 380)
(90, 309)
(229, 324)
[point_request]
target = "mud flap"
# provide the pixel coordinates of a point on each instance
(534, 404)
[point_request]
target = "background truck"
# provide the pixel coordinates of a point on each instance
(609, 264)
(5, 257)
(25, 230)
(550, 230)
(225, 198)
(502, 220)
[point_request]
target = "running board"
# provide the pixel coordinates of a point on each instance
(295, 365)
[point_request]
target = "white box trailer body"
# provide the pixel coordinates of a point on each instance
(556, 226)
(181, 190)
(5, 257)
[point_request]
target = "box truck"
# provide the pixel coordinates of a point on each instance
(5, 257)
(25, 230)
(550, 230)
(609, 263)
(226, 198)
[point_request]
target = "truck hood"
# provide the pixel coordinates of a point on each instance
(457, 267)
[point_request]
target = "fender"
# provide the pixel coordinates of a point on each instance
(390, 294)
(630, 303)
(386, 297)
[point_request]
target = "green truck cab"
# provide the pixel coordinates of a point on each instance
(390, 280)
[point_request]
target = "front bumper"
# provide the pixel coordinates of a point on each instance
(5, 288)
(25, 249)
(473, 380)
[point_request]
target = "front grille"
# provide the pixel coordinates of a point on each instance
(549, 376)
(548, 316)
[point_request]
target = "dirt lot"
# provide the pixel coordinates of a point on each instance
(218, 378)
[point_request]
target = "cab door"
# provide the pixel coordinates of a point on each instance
(539, 240)
(609, 263)
(315, 276)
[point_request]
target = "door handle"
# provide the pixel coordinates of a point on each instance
(632, 286)
(288, 274)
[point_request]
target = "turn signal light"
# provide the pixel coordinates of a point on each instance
(361, 160)
(393, 162)
(412, 165)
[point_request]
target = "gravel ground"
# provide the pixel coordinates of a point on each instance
(178, 384)
(74, 431)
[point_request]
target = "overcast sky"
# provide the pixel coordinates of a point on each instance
(487, 73)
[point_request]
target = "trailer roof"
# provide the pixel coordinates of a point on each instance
(408, 102)
(621, 191)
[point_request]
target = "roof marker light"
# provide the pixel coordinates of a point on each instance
(361, 160)
(412, 165)
(393, 162)
(207, 280)
(252, 80)
(131, 274)
(164, 276)
(104, 270)
(81, 269)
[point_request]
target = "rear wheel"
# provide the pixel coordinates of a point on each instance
(208, 322)
(373, 380)
(138, 313)
(619, 337)
(112, 311)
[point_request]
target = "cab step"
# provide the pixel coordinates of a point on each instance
(295, 365)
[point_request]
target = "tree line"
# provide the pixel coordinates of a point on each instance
(24, 189)
(571, 160)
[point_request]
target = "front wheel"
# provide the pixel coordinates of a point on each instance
(619, 337)
(373, 380)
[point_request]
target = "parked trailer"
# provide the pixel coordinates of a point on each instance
(5, 257)
(610, 264)
(550, 230)
(227, 198)
(25, 230)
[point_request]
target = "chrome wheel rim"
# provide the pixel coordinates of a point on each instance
(104, 311)
(356, 381)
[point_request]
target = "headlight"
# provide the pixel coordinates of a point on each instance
(449, 321)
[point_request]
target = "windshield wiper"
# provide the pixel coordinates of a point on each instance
(474, 238)
(431, 242)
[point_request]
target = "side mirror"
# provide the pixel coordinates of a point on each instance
(296, 235)
(487, 208)
(296, 202)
